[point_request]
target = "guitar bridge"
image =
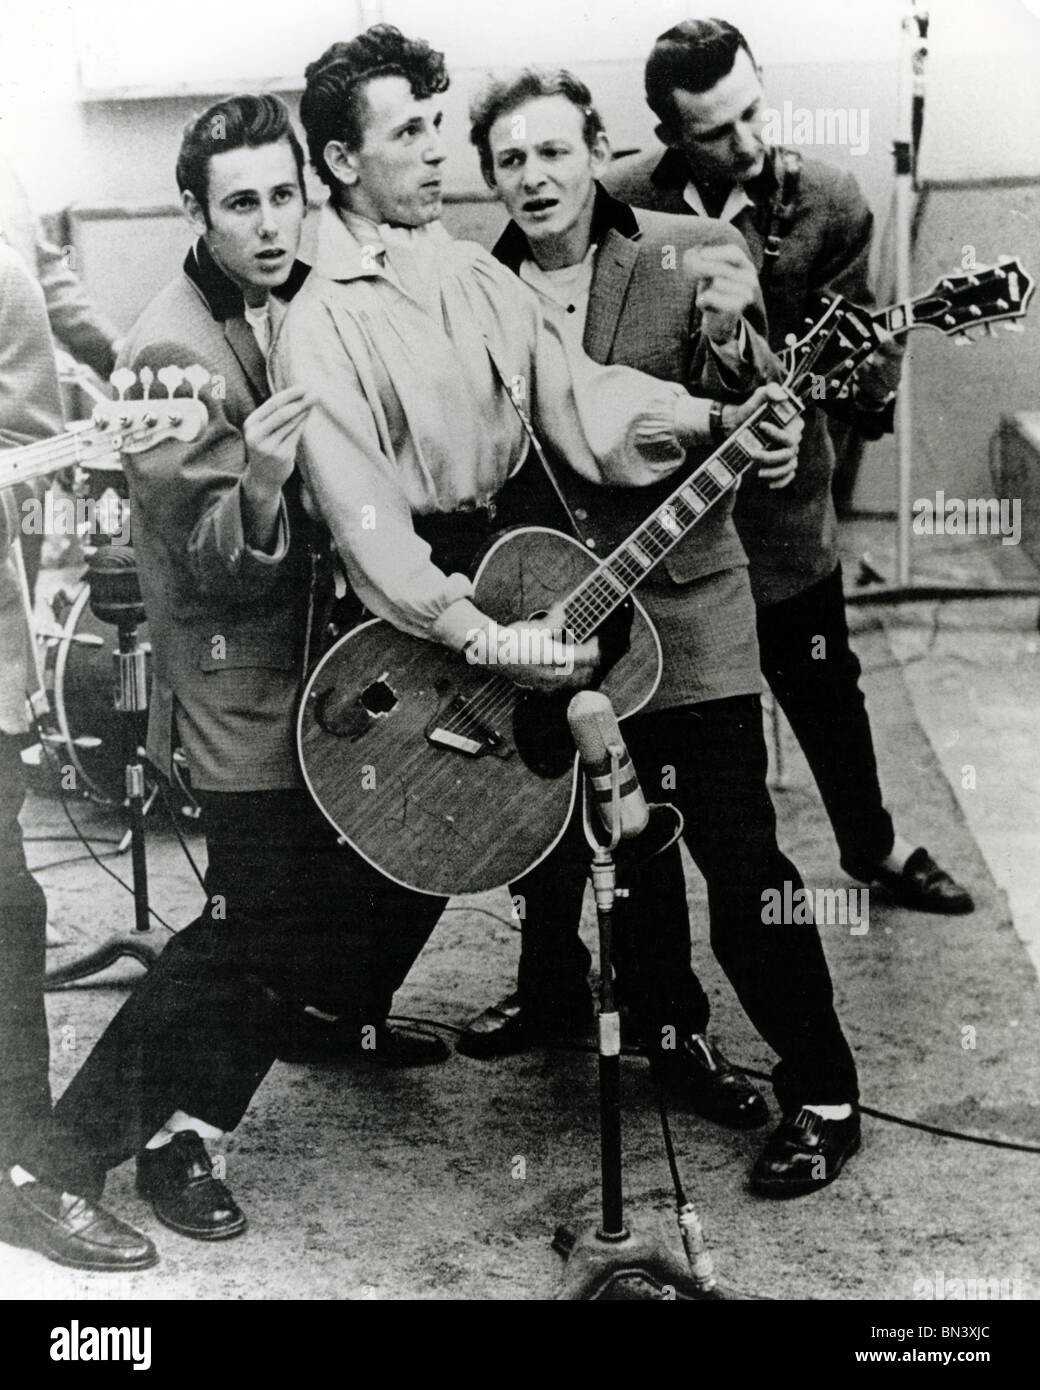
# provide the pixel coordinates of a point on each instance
(457, 729)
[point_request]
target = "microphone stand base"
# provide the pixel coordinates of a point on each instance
(632, 1267)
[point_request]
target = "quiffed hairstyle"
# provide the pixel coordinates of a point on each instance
(506, 93)
(691, 57)
(331, 109)
(249, 121)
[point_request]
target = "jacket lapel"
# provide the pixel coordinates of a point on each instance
(245, 347)
(615, 262)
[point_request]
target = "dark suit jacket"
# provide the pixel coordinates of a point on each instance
(790, 534)
(227, 624)
(642, 314)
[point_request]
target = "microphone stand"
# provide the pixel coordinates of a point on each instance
(612, 1261)
(871, 588)
(116, 598)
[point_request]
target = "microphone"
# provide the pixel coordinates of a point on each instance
(594, 728)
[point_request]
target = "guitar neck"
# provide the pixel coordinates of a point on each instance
(897, 318)
(610, 584)
(30, 461)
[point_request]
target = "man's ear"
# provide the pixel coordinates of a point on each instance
(600, 153)
(194, 212)
(342, 162)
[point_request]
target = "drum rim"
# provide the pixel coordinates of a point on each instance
(93, 788)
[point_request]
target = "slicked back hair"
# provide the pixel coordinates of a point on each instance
(504, 94)
(332, 106)
(691, 57)
(237, 122)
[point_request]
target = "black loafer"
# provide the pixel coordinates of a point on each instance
(311, 1039)
(923, 886)
(178, 1181)
(804, 1153)
(72, 1231)
(509, 1026)
(698, 1073)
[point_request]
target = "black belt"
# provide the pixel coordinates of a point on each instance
(455, 538)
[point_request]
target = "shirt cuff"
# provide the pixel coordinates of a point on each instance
(457, 624)
(272, 555)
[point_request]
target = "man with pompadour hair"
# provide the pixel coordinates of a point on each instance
(809, 231)
(232, 577)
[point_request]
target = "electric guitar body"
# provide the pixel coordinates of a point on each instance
(444, 775)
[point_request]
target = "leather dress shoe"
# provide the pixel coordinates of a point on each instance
(72, 1231)
(698, 1072)
(511, 1026)
(178, 1181)
(923, 886)
(804, 1153)
(311, 1039)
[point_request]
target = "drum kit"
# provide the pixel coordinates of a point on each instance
(91, 650)
(80, 731)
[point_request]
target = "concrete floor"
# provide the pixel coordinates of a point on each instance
(446, 1183)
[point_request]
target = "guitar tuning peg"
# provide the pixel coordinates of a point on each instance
(196, 377)
(990, 330)
(790, 338)
(1014, 327)
(147, 376)
(122, 379)
(171, 378)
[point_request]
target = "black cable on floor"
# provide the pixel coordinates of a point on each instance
(50, 754)
(172, 817)
(883, 1115)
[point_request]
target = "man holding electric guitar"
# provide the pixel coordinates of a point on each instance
(809, 230)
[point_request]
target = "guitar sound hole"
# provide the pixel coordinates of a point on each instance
(378, 698)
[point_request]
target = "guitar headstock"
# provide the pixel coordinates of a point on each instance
(822, 362)
(131, 426)
(979, 297)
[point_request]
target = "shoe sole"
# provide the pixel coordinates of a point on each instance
(764, 1188)
(225, 1233)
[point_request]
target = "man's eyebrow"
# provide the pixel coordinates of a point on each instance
(419, 117)
(727, 125)
(239, 193)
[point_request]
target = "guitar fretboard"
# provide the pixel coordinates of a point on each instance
(610, 584)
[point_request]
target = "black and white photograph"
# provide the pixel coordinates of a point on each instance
(519, 645)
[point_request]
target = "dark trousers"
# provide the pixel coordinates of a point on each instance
(25, 1097)
(291, 919)
(814, 674)
(710, 761)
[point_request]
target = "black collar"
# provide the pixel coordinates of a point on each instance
(673, 172)
(223, 297)
(608, 214)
